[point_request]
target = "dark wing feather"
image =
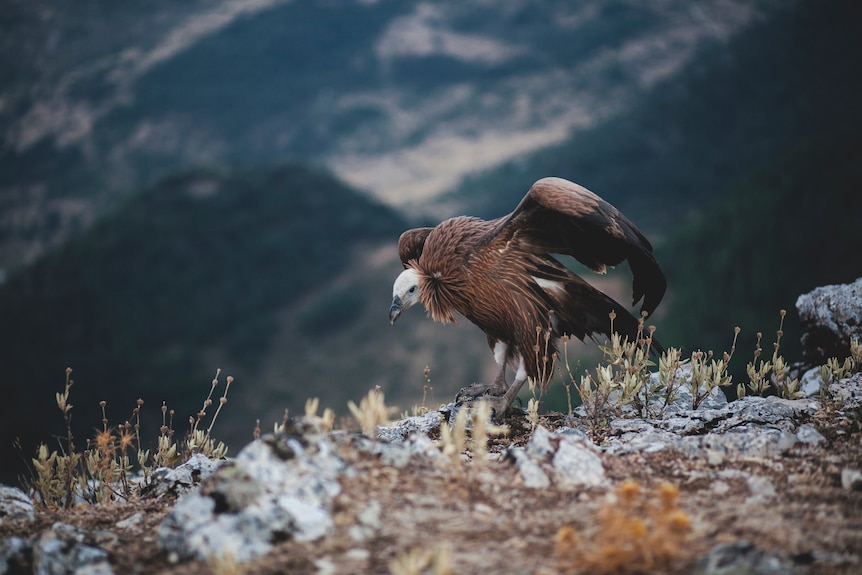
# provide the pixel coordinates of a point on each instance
(411, 243)
(560, 217)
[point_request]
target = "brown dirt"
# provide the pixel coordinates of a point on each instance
(491, 523)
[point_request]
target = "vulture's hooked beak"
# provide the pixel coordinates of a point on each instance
(395, 310)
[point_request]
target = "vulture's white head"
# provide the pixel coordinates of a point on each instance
(405, 293)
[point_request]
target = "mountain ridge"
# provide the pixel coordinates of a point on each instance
(398, 100)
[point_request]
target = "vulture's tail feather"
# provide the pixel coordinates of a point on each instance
(649, 281)
(585, 311)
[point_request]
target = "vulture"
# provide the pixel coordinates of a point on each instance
(502, 276)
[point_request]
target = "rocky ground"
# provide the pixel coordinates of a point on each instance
(755, 486)
(785, 500)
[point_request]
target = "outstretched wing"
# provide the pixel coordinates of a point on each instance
(560, 217)
(410, 244)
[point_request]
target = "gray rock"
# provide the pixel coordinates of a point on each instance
(421, 444)
(15, 504)
(540, 446)
(848, 392)
(279, 487)
(622, 426)
(182, 479)
(645, 438)
(400, 453)
(851, 479)
(830, 316)
(773, 412)
(683, 396)
(368, 522)
(717, 430)
(809, 435)
(682, 400)
(68, 549)
(568, 457)
(16, 555)
(750, 427)
(571, 432)
(401, 430)
(530, 471)
(576, 464)
(744, 558)
(750, 441)
(130, 521)
(762, 489)
(810, 383)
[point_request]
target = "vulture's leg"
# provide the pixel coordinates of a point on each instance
(497, 388)
(512, 392)
(481, 390)
(500, 394)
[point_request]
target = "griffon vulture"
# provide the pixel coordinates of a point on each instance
(501, 275)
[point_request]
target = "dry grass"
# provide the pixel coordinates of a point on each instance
(640, 523)
(636, 531)
(114, 462)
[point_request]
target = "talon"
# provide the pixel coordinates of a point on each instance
(474, 391)
(498, 403)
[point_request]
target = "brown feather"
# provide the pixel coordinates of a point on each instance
(410, 244)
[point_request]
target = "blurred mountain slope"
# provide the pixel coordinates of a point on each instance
(399, 99)
(790, 227)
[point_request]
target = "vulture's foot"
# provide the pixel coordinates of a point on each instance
(492, 394)
(498, 403)
(479, 391)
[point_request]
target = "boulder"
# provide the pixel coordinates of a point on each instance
(69, 549)
(830, 316)
(14, 503)
(279, 487)
(566, 459)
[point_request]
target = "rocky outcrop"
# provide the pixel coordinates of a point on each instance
(830, 316)
(286, 486)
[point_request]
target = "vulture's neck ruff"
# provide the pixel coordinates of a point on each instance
(440, 294)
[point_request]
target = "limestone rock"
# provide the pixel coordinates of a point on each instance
(531, 472)
(16, 555)
(576, 464)
(570, 459)
(279, 487)
(848, 392)
(807, 434)
(810, 382)
(683, 397)
(182, 479)
(399, 452)
(851, 479)
(14, 503)
(830, 316)
(68, 549)
(744, 558)
(401, 430)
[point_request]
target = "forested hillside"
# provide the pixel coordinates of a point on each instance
(102, 99)
(791, 227)
(199, 262)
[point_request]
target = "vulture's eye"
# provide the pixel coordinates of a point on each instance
(412, 289)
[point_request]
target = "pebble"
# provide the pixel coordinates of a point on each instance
(807, 434)
(851, 479)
